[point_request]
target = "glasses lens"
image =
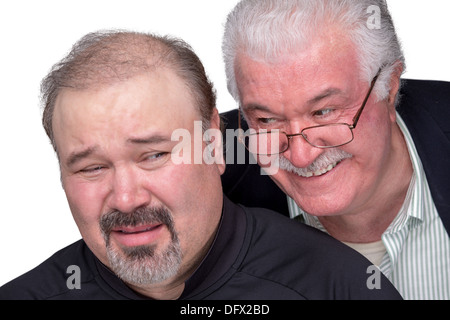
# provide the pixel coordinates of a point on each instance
(266, 143)
(276, 142)
(328, 136)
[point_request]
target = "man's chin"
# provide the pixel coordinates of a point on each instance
(145, 264)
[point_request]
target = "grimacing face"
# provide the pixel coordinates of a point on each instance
(319, 86)
(127, 197)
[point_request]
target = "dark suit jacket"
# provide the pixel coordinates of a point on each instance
(424, 107)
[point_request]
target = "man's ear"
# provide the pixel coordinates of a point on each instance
(215, 119)
(394, 86)
(216, 141)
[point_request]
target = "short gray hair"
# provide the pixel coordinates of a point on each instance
(106, 57)
(266, 29)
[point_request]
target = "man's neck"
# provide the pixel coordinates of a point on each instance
(161, 292)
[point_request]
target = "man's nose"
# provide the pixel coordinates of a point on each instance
(300, 153)
(128, 191)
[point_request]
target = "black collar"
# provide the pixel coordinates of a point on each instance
(224, 253)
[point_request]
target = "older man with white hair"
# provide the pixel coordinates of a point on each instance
(363, 155)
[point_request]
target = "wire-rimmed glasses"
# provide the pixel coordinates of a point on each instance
(324, 136)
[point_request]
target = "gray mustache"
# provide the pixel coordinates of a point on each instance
(141, 216)
(324, 160)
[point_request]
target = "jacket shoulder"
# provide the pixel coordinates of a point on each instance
(419, 97)
(308, 261)
(428, 89)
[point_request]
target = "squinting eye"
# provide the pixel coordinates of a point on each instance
(155, 160)
(323, 112)
(266, 120)
(92, 169)
(156, 156)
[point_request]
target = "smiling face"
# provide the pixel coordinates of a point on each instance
(322, 85)
(127, 197)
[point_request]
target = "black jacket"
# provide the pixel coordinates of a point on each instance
(257, 254)
(425, 109)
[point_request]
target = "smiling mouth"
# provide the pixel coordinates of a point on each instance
(319, 172)
(324, 163)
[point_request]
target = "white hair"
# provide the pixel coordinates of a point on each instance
(268, 29)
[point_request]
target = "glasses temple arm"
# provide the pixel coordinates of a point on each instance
(358, 114)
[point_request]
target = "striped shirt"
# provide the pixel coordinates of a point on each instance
(417, 258)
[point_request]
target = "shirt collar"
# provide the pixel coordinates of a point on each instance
(224, 253)
(412, 212)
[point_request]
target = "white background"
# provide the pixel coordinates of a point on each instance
(35, 218)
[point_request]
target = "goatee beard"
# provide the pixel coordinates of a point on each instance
(147, 264)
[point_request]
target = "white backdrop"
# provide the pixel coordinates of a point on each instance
(35, 218)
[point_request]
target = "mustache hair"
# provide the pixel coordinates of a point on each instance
(331, 156)
(143, 215)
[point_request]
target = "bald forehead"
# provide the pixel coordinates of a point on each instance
(117, 57)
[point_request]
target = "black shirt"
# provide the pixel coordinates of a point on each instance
(257, 254)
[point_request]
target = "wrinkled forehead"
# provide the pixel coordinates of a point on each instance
(156, 101)
(324, 62)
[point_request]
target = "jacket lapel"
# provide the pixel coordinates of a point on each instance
(425, 109)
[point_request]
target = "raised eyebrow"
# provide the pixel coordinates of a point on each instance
(319, 97)
(80, 155)
(153, 139)
(324, 94)
(254, 107)
(77, 156)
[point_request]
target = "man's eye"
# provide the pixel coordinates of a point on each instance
(92, 170)
(323, 112)
(266, 120)
(154, 160)
(156, 156)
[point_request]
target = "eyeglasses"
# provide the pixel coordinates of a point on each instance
(322, 136)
